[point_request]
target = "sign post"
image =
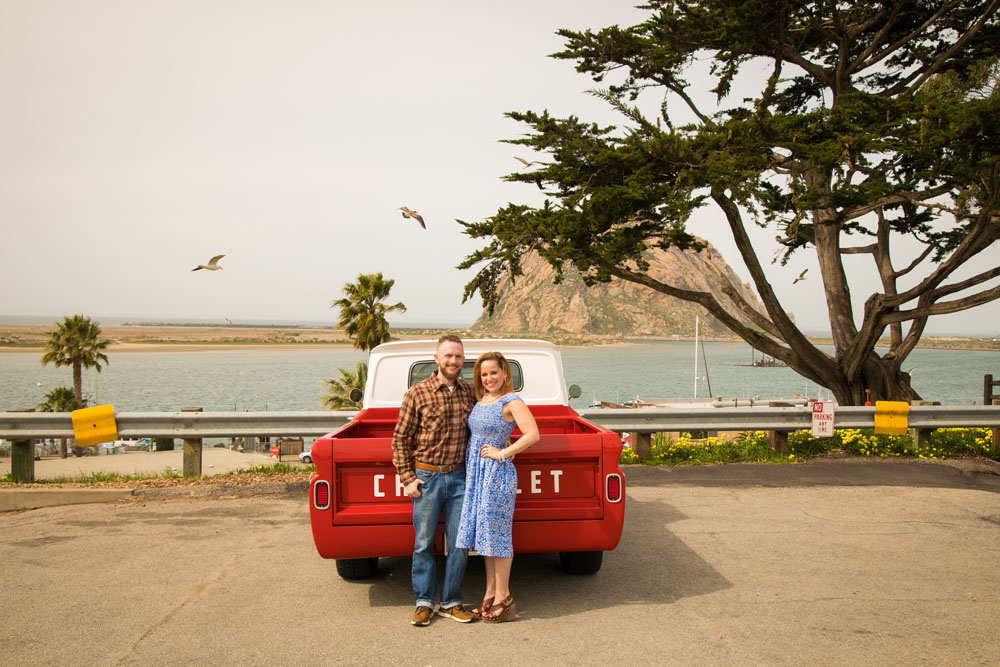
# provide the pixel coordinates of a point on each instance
(823, 418)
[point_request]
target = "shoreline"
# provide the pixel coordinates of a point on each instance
(167, 338)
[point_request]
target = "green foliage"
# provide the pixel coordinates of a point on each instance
(60, 399)
(339, 390)
(76, 342)
(362, 311)
(754, 447)
(874, 122)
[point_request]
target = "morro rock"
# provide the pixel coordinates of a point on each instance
(534, 304)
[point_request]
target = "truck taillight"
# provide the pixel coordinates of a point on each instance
(321, 495)
(613, 487)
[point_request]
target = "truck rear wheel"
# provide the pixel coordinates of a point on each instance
(357, 568)
(580, 562)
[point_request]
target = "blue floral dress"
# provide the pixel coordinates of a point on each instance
(490, 485)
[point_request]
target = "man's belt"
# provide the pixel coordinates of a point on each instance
(433, 468)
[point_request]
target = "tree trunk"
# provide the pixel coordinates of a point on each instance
(78, 384)
(882, 380)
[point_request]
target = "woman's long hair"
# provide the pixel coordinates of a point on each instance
(477, 381)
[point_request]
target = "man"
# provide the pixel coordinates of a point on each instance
(428, 450)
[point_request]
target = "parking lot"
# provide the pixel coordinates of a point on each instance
(837, 562)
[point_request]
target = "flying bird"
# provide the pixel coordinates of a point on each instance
(525, 162)
(407, 213)
(213, 264)
(802, 276)
(228, 321)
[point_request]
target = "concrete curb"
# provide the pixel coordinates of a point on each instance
(26, 499)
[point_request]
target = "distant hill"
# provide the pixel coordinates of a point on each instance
(535, 305)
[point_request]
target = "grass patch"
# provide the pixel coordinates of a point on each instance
(274, 469)
(98, 477)
(753, 447)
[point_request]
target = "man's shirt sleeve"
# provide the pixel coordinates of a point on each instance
(406, 427)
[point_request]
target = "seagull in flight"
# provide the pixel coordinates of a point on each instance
(802, 276)
(525, 162)
(407, 213)
(213, 264)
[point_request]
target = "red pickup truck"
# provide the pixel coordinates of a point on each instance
(571, 493)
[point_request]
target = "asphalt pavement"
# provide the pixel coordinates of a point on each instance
(826, 563)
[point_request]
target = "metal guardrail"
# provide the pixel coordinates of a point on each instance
(658, 420)
(200, 425)
(184, 425)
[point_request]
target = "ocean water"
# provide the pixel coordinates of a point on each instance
(292, 380)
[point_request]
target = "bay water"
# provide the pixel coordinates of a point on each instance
(288, 379)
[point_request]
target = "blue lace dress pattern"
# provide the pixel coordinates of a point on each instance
(490, 485)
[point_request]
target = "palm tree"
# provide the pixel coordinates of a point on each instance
(339, 391)
(362, 311)
(76, 342)
(60, 399)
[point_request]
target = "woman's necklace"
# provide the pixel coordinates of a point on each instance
(489, 398)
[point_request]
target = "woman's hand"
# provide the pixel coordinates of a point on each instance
(488, 452)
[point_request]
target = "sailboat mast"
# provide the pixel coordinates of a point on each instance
(695, 356)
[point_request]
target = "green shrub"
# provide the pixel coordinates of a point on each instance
(754, 447)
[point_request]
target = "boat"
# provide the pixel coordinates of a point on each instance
(765, 361)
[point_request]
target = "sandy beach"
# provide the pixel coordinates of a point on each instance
(167, 338)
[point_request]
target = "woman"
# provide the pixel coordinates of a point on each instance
(491, 481)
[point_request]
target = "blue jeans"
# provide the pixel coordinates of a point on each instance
(440, 491)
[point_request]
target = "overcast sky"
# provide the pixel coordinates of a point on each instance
(138, 139)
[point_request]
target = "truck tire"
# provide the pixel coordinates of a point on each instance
(580, 562)
(357, 568)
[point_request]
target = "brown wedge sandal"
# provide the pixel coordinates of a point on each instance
(501, 611)
(483, 607)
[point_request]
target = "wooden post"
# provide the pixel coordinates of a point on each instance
(989, 398)
(778, 440)
(22, 458)
(642, 444)
(192, 452)
(22, 461)
(920, 437)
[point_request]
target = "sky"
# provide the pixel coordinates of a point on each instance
(139, 139)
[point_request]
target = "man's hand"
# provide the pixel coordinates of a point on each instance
(412, 489)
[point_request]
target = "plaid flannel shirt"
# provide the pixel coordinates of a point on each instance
(432, 425)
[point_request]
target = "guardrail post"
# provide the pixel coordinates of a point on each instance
(192, 452)
(989, 398)
(778, 440)
(921, 436)
(642, 443)
(22, 458)
(22, 461)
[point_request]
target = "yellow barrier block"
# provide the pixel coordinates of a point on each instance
(891, 417)
(92, 426)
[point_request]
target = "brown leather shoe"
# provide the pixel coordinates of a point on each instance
(422, 616)
(501, 611)
(483, 607)
(456, 613)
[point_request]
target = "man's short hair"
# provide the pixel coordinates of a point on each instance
(450, 338)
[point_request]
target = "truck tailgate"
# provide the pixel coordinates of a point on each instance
(559, 478)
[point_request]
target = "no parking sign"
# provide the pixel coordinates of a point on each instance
(822, 422)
